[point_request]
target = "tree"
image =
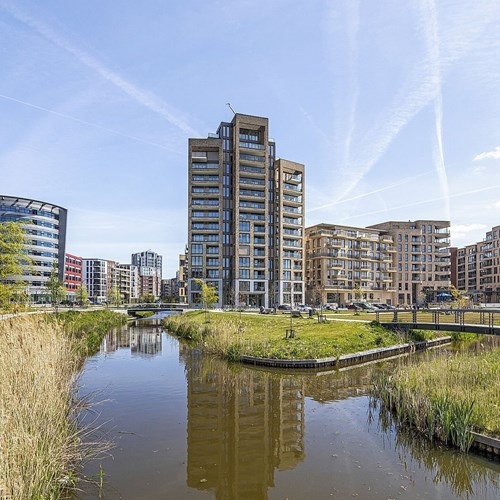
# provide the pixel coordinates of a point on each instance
(460, 297)
(54, 287)
(13, 258)
(316, 297)
(82, 295)
(149, 298)
(358, 292)
(114, 296)
(208, 296)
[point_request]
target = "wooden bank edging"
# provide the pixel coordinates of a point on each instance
(486, 444)
(347, 359)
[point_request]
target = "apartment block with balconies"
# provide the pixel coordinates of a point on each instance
(422, 259)
(477, 267)
(237, 192)
(346, 264)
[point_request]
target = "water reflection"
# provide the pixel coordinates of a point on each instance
(191, 426)
(242, 425)
(142, 338)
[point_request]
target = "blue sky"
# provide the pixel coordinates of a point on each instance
(392, 106)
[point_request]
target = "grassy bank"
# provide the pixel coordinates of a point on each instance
(88, 328)
(446, 397)
(264, 336)
(41, 446)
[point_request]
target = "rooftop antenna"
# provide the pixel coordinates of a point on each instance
(229, 105)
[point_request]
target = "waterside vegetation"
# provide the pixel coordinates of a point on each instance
(231, 335)
(446, 397)
(41, 443)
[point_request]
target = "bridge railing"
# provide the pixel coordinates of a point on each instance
(489, 318)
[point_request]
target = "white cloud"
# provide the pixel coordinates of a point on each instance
(467, 234)
(488, 155)
(496, 204)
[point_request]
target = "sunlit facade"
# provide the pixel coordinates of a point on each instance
(246, 217)
(45, 226)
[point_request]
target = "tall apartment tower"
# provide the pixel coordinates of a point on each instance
(422, 259)
(150, 271)
(246, 217)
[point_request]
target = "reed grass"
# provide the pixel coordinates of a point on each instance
(445, 397)
(41, 445)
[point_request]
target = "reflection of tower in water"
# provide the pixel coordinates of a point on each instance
(242, 424)
(145, 342)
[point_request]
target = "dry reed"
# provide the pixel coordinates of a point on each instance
(40, 443)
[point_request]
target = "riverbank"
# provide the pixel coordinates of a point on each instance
(232, 336)
(40, 442)
(448, 398)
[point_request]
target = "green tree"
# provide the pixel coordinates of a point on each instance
(55, 288)
(358, 292)
(114, 296)
(208, 296)
(13, 258)
(149, 298)
(459, 296)
(82, 295)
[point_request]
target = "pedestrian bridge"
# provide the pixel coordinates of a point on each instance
(485, 321)
(156, 308)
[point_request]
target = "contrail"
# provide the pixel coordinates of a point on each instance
(431, 37)
(147, 99)
(421, 89)
(376, 191)
(84, 122)
(424, 202)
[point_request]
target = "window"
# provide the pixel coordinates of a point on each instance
(244, 238)
(213, 262)
(244, 286)
(245, 274)
(196, 261)
(196, 248)
(197, 272)
(244, 226)
(213, 250)
(244, 261)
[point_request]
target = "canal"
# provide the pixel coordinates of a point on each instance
(185, 425)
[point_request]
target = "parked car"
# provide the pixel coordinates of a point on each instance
(331, 306)
(354, 307)
(285, 307)
(365, 306)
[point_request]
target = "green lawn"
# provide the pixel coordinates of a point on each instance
(264, 335)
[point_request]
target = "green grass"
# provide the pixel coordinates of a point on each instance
(264, 335)
(446, 397)
(144, 314)
(88, 327)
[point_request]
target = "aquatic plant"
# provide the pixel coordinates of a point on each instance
(445, 397)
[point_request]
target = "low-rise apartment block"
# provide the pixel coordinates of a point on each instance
(477, 268)
(422, 259)
(73, 275)
(345, 264)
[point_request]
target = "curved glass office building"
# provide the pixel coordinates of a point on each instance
(45, 225)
